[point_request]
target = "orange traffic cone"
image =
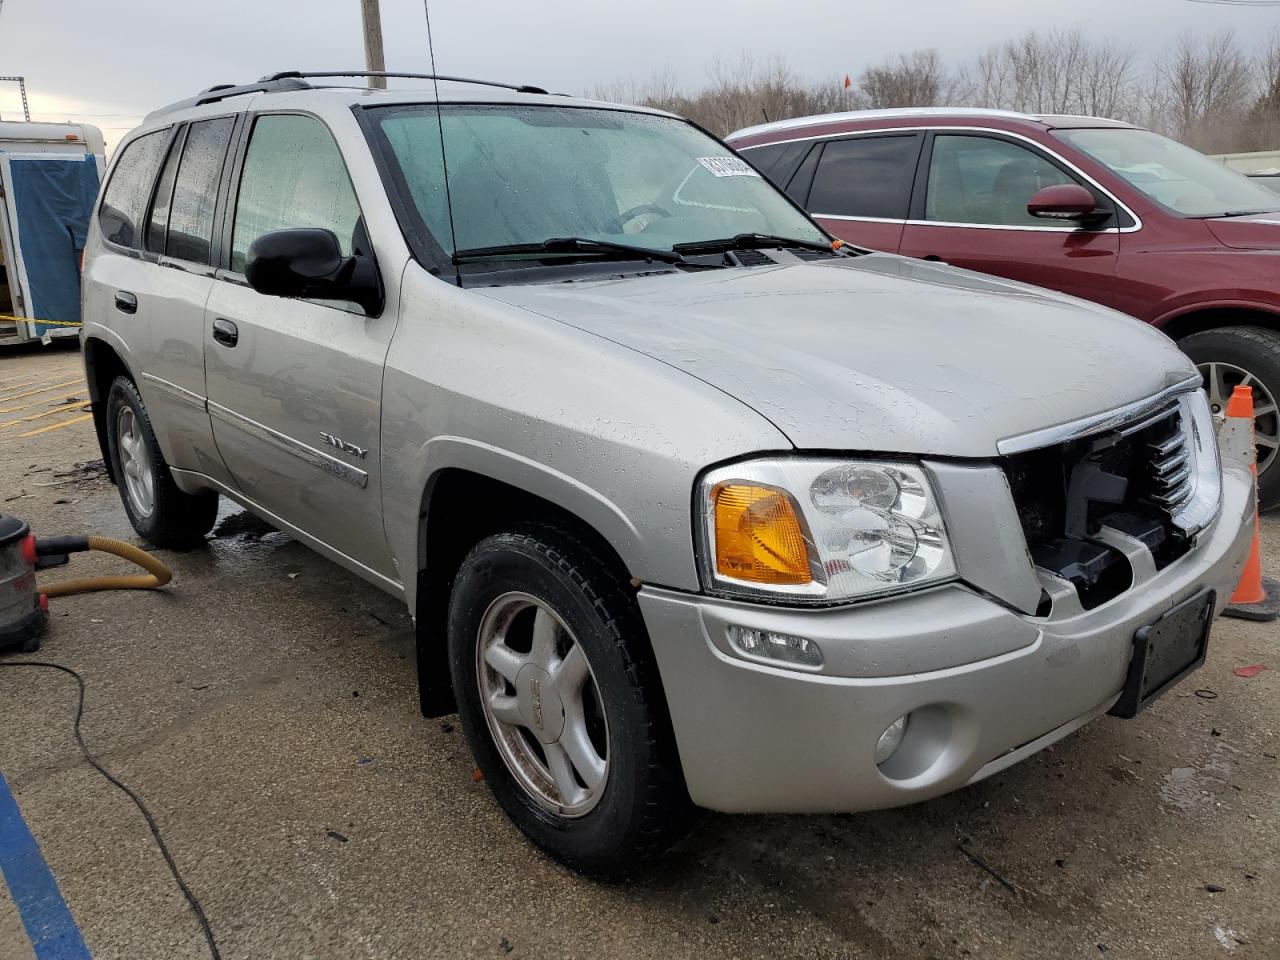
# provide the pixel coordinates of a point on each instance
(1256, 597)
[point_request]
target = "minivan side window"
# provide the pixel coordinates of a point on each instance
(126, 196)
(865, 177)
(195, 192)
(982, 180)
(293, 176)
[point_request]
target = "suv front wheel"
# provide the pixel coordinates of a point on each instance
(1250, 356)
(558, 695)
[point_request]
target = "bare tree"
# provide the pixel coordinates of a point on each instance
(1262, 130)
(916, 79)
(1208, 92)
(1207, 82)
(1056, 72)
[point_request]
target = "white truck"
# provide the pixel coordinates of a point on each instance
(49, 175)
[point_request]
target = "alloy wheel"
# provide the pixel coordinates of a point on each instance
(542, 704)
(1219, 380)
(135, 462)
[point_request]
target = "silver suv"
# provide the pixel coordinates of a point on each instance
(692, 506)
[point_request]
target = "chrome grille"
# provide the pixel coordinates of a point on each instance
(1171, 482)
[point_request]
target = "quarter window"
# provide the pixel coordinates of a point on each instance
(983, 180)
(293, 177)
(125, 200)
(195, 192)
(865, 177)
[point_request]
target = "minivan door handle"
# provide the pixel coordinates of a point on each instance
(126, 302)
(226, 332)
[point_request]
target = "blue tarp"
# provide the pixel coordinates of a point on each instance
(53, 199)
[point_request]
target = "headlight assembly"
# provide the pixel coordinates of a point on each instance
(820, 530)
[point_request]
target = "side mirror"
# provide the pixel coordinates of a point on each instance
(1064, 201)
(307, 262)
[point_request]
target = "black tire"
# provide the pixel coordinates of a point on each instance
(644, 807)
(177, 520)
(1255, 350)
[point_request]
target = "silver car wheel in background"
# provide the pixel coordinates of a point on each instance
(135, 462)
(1219, 380)
(542, 704)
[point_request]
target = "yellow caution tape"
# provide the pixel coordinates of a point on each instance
(48, 323)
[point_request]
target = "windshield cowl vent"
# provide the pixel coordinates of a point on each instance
(750, 258)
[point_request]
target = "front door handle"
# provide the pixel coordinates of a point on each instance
(226, 332)
(126, 302)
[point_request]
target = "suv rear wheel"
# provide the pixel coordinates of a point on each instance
(558, 696)
(1245, 356)
(158, 510)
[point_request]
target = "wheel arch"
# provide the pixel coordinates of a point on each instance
(102, 364)
(460, 507)
(1197, 317)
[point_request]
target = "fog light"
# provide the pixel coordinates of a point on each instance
(776, 646)
(891, 739)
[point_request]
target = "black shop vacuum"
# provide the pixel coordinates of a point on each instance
(24, 607)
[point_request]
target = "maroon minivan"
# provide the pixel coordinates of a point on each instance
(1094, 208)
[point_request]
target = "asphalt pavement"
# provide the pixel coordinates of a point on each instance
(263, 706)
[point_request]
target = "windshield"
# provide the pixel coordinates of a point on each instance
(1176, 177)
(522, 175)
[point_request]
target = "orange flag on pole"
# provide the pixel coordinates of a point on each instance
(847, 82)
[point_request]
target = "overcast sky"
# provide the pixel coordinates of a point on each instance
(110, 61)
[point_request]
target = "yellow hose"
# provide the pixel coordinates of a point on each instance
(157, 574)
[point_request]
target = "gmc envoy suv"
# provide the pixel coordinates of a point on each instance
(692, 505)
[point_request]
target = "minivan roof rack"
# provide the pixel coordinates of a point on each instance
(313, 74)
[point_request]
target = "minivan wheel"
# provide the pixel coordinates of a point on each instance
(158, 510)
(1245, 356)
(559, 698)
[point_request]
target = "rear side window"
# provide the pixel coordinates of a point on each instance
(293, 177)
(865, 177)
(158, 222)
(777, 161)
(125, 200)
(195, 192)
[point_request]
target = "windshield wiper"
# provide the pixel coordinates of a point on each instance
(749, 241)
(1236, 213)
(595, 248)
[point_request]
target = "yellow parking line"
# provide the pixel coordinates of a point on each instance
(42, 389)
(58, 426)
(45, 377)
(33, 393)
(39, 403)
(40, 416)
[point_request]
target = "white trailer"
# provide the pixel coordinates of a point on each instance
(49, 176)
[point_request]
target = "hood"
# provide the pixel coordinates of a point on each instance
(1258, 231)
(879, 353)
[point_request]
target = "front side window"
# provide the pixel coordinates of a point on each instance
(1178, 178)
(865, 177)
(293, 177)
(982, 180)
(195, 192)
(125, 200)
(524, 175)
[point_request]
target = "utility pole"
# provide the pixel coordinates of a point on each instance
(373, 59)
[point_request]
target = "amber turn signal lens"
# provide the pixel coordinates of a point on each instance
(758, 535)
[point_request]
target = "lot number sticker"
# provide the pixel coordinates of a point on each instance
(728, 167)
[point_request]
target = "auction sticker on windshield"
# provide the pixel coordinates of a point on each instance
(728, 167)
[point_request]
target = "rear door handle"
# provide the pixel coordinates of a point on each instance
(226, 332)
(126, 302)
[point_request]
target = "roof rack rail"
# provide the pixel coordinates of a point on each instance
(304, 74)
(287, 80)
(222, 91)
